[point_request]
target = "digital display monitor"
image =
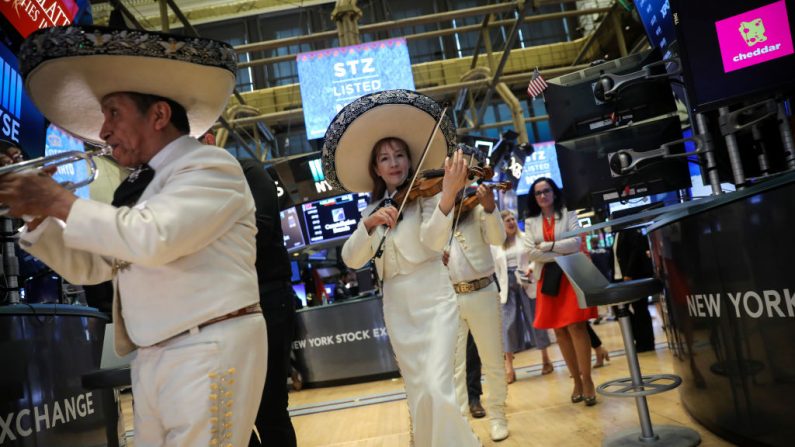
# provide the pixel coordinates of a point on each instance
(20, 122)
(659, 24)
(734, 50)
(300, 292)
(333, 218)
(291, 229)
(574, 111)
(295, 271)
(589, 182)
(543, 162)
(331, 79)
(58, 141)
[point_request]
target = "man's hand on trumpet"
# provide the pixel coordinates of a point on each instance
(32, 193)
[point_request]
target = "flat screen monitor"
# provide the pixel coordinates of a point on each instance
(658, 22)
(586, 172)
(295, 271)
(333, 218)
(21, 124)
(734, 50)
(300, 292)
(58, 141)
(330, 79)
(575, 112)
(543, 162)
(291, 229)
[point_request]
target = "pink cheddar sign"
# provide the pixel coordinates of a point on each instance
(755, 36)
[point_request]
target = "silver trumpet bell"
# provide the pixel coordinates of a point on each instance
(57, 160)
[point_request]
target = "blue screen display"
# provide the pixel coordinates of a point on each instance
(300, 291)
(333, 218)
(657, 20)
(20, 122)
(331, 79)
(543, 162)
(58, 141)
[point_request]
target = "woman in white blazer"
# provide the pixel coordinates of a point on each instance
(517, 295)
(556, 302)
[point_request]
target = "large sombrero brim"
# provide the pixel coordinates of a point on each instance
(68, 70)
(403, 114)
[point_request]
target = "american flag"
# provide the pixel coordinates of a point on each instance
(537, 84)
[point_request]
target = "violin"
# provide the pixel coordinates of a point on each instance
(469, 200)
(429, 183)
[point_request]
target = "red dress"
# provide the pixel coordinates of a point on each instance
(553, 312)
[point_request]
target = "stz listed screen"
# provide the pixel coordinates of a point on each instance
(333, 218)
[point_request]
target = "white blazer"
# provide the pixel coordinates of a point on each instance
(541, 251)
(501, 270)
(190, 242)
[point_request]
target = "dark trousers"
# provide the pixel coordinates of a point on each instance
(273, 420)
(474, 387)
(595, 340)
(641, 325)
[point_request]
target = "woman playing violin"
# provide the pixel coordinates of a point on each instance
(420, 308)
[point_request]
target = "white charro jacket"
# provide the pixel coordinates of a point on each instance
(419, 237)
(189, 242)
(476, 234)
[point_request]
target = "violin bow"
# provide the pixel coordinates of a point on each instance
(458, 212)
(380, 251)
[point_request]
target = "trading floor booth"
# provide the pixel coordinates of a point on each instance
(340, 334)
(46, 349)
(727, 267)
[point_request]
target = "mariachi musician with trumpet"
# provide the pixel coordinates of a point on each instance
(393, 135)
(179, 239)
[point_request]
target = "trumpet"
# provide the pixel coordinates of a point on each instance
(58, 160)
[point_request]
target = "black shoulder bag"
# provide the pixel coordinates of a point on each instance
(552, 275)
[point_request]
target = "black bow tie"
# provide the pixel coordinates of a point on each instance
(133, 186)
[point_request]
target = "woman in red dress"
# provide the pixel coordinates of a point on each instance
(558, 309)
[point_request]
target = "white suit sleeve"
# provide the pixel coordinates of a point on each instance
(358, 249)
(198, 204)
(436, 227)
(492, 228)
(76, 266)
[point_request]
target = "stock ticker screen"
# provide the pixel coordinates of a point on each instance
(333, 218)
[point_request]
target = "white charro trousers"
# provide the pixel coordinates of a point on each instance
(421, 316)
(481, 314)
(202, 386)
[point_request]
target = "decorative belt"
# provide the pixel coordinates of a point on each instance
(248, 310)
(474, 285)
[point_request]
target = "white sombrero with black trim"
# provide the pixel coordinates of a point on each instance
(68, 70)
(403, 114)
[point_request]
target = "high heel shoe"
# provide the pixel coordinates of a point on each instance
(590, 401)
(576, 398)
(602, 355)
